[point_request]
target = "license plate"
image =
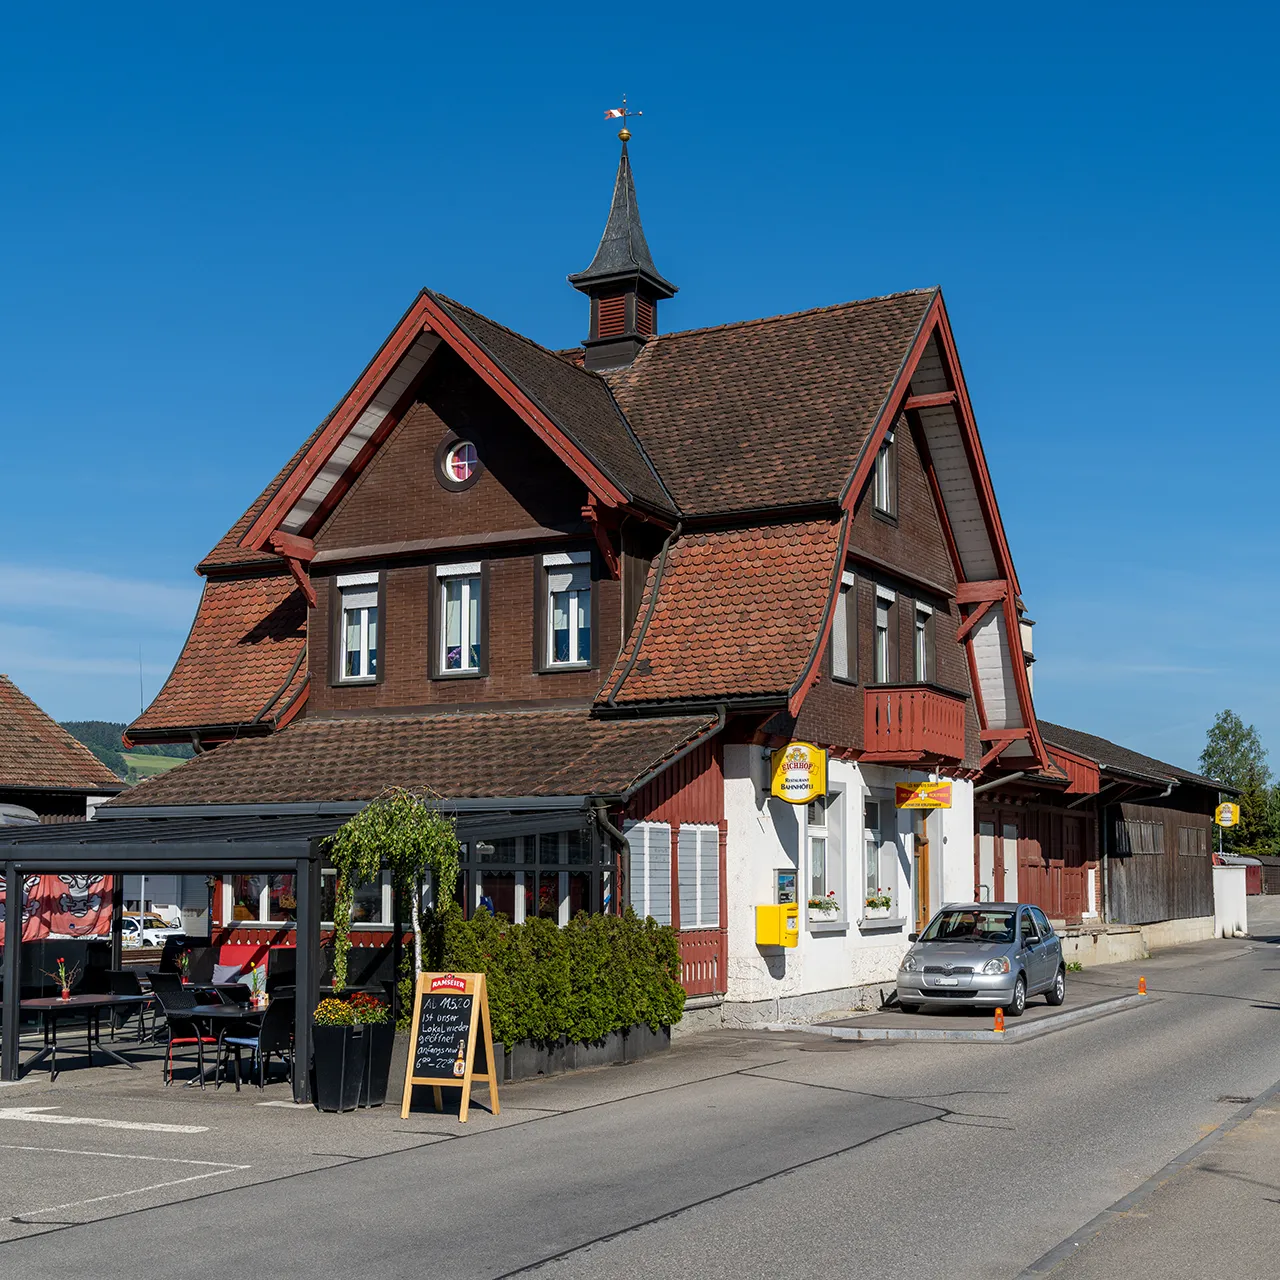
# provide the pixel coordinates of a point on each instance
(947, 982)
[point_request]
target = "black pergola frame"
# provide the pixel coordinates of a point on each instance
(24, 852)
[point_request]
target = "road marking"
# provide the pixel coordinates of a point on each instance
(216, 1169)
(41, 1115)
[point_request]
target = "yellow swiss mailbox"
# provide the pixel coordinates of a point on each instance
(777, 924)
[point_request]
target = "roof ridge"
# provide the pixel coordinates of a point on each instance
(793, 315)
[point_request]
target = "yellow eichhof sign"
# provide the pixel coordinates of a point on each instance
(1227, 814)
(799, 772)
(922, 795)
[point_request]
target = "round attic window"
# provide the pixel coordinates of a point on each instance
(458, 464)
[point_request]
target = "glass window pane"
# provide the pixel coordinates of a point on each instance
(372, 664)
(452, 624)
(579, 892)
(550, 851)
(560, 626)
(583, 601)
(353, 667)
(282, 898)
(818, 867)
(549, 895)
(246, 897)
(473, 624)
(498, 892)
(366, 905)
(579, 848)
(501, 851)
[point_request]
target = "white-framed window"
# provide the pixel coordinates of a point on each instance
(844, 630)
(649, 883)
(925, 661)
(883, 670)
(884, 484)
(370, 905)
(358, 627)
(260, 899)
(698, 860)
(568, 608)
(880, 853)
(824, 836)
(460, 641)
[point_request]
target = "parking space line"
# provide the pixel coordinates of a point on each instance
(45, 1115)
(216, 1168)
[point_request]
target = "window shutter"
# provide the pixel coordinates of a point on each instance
(709, 877)
(698, 853)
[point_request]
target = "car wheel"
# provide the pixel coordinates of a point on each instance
(908, 1006)
(1058, 992)
(1019, 1001)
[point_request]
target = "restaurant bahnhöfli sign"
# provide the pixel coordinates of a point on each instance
(799, 773)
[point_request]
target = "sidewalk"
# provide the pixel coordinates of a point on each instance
(1216, 1214)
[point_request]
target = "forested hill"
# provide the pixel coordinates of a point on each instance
(102, 737)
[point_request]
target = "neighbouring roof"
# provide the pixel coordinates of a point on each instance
(578, 402)
(736, 614)
(767, 412)
(1118, 759)
(242, 662)
(505, 753)
(623, 252)
(36, 752)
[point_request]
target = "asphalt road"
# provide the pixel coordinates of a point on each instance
(735, 1155)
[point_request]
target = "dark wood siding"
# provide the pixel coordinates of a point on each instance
(1148, 886)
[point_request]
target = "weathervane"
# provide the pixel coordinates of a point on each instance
(621, 113)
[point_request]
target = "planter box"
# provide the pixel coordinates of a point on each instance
(339, 1062)
(379, 1042)
(529, 1058)
(642, 1042)
(603, 1053)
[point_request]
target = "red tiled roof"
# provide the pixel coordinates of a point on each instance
(767, 412)
(737, 614)
(35, 751)
(248, 637)
(506, 753)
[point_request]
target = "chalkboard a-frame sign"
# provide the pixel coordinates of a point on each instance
(444, 1047)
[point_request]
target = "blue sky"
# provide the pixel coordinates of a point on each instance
(212, 219)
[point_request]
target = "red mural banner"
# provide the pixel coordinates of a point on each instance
(61, 907)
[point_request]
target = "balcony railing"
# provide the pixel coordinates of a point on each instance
(913, 722)
(702, 961)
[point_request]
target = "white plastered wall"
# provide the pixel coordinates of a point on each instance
(833, 964)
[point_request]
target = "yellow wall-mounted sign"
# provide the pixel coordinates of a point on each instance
(799, 772)
(922, 795)
(1227, 814)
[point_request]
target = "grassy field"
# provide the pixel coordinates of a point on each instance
(147, 766)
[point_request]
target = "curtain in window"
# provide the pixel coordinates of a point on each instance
(453, 624)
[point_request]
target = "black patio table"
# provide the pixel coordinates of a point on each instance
(53, 1008)
(228, 1015)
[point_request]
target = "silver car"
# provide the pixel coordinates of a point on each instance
(984, 954)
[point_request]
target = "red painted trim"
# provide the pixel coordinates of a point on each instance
(934, 400)
(1013, 629)
(810, 676)
(1004, 735)
(591, 514)
(968, 624)
(290, 545)
(985, 592)
(302, 578)
(292, 710)
(357, 400)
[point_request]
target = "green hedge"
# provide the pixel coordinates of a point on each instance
(597, 974)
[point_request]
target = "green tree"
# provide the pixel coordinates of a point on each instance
(1233, 753)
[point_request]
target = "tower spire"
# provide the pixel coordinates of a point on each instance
(622, 282)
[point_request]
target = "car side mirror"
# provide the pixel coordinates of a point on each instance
(913, 937)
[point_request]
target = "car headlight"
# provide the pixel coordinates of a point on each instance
(1000, 964)
(909, 963)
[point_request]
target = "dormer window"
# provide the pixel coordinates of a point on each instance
(568, 608)
(884, 482)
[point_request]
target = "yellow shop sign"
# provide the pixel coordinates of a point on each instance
(922, 795)
(1227, 814)
(799, 772)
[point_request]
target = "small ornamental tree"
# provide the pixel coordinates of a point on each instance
(405, 833)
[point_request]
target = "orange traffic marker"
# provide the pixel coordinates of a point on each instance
(1142, 986)
(999, 1020)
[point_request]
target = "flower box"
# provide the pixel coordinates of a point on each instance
(339, 1058)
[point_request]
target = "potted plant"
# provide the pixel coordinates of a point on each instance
(184, 966)
(879, 904)
(64, 977)
(826, 908)
(339, 1053)
(379, 1035)
(257, 987)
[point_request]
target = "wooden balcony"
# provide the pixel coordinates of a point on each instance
(906, 723)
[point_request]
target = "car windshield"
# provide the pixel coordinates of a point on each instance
(970, 925)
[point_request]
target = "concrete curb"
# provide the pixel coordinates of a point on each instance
(1048, 1262)
(1014, 1032)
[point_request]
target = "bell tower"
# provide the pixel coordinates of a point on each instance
(623, 284)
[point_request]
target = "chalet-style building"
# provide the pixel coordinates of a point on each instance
(43, 770)
(582, 594)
